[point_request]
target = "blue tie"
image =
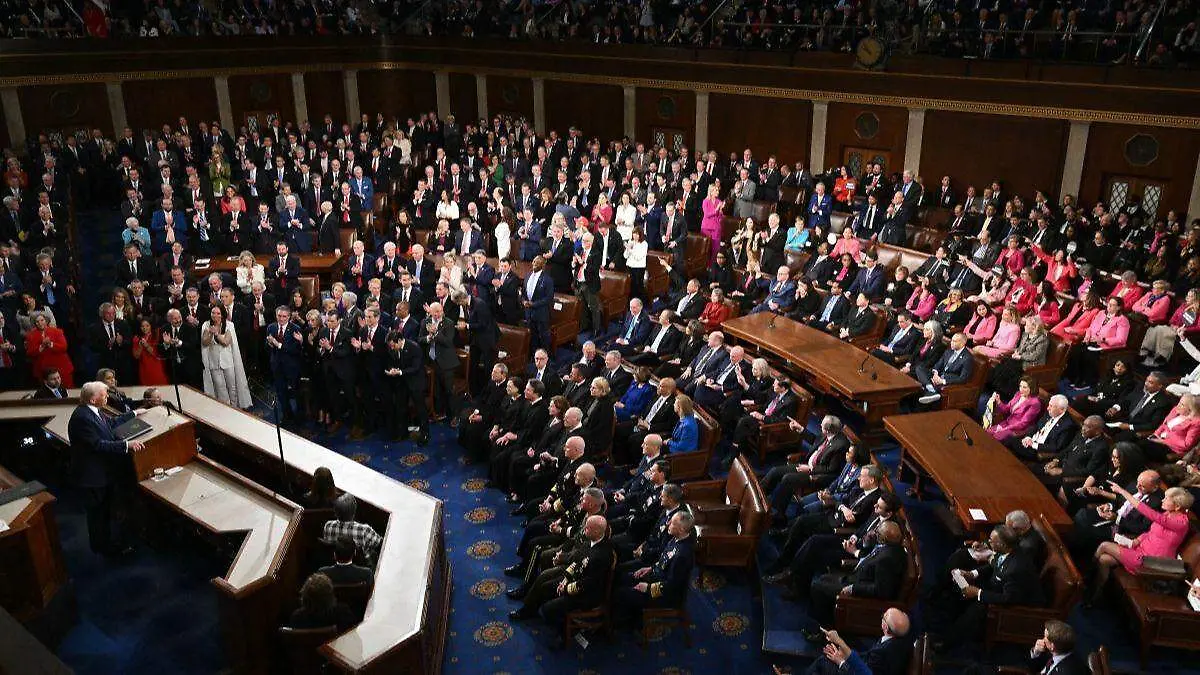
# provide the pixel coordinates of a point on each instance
(629, 331)
(828, 308)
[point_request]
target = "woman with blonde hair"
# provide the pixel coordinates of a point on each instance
(247, 272)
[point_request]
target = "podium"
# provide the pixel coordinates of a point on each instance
(171, 441)
(31, 562)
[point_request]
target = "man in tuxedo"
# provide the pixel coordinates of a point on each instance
(99, 462)
(1050, 435)
(181, 349)
(285, 347)
(954, 367)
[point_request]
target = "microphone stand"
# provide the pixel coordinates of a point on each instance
(276, 405)
(774, 316)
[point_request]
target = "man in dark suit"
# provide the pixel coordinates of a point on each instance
(559, 255)
(1049, 435)
(98, 460)
(181, 349)
(371, 345)
(878, 574)
(285, 347)
(707, 362)
(585, 275)
(506, 294)
(1009, 578)
(871, 279)
(478, 278)
(483, 332)
(954, 367)
(660, 418)
(712, 392)
(437, 341)
(779, 408)
(869, 220)
(1054, 653)
(334, 344)
(856, 506)
(134, 267)
(833, 310)
(537, 294)
(860, 320)
(1087, 455)
(1102, 522)
(283, 272)
(405, 371)
(663, 342)
(343, 571)
(424, 276)
(1141, 411)
(665, 583)
(634, 330)
(817, 470)
(898, 345)
(110, 341)
(51, 386)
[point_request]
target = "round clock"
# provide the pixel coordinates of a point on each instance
(869, 52)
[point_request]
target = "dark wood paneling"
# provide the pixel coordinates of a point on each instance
(890, 137)
(64, 107)
(765, 125)
(510, 95)
(1025, 154)
(668, 109)
(464, 104)
(403, 93)
(1176, 163)
(151, 104)
(325, 93)
(261, 94)
(596, 109)
(5, 140)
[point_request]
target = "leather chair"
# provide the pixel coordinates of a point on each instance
(514, 346)
(921, 662)
(666, 616)
(301, 648)
(728, 531)
(565, 313)
(838, 222)
(346, 238)
(596, 618)
(1163, 620)
(779, 435)
(310, 288)
(692, 465)
(657, 279)
(861, 615)
(965, 396)
(1061, 584)
(1137, 330)
(759, 212)
(696, 251)
(614, 294)
(1046, 376)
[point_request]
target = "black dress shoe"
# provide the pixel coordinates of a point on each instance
(517, 511)
(517, 570)
(517, 593)
(519, 615)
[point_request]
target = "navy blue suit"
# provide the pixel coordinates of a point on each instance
(538, 313)
(286, 361)
(635, 330)
(97, 458)
(870, 281)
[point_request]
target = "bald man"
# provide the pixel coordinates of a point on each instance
(878, 573)
(578, 583)
(889, 655)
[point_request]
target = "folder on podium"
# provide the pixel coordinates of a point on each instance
(170, 440)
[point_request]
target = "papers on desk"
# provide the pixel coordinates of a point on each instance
(232, 258)
(978, 514)
(1122, 540)
(203, 261)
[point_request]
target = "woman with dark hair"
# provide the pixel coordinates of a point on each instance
(636, 399)
(151, 368)
(322, 491)
(694, 339)
(1109, 330)
(319, 607)
(1112, 388)
(1016, 416)
(1125, 463)
(224, 375)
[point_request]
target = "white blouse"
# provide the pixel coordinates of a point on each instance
(246, 276)
(635, 254)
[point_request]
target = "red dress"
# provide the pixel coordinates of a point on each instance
(53, 357)
(151, 366)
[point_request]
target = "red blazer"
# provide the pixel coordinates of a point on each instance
(714, 314)
(54, 357)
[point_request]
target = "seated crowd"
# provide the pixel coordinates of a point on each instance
(447, 233)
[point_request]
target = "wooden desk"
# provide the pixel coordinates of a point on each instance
(983, 476)
(404, 628)
(323, 265)
(31, 562)
(830, 365)
(172, 442)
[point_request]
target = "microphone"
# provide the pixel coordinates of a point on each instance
(774, 316)
(966, 438)
(862, 367)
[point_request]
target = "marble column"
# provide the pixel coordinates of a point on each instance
(481, 103)
(116, 107)
(300, 98)
(912, 142)
(816, 144)
(12, 115)
(224, 106)
(539, 105)
(441, 84)
(630, 110)
(701, 142)
(350, 88)
(1073, 162)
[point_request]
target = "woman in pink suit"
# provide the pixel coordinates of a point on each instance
(1079, 319)
(1109, 330)
(1155, 305)
(848, 244)
(982, 325)
(1128, 289)
(1018, 415)
(1179, 433)
(1022, 294)
(1167, 532)
(1060, 269)
(1004, 340)
(711, 224)
(923, 301)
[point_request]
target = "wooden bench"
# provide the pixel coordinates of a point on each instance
(1163, 620)
(729, 530)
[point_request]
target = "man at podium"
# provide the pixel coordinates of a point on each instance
(97, 458)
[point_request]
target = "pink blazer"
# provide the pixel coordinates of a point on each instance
(1110, 332)
(922, 307)
(1128, 293)
(1181, 438)
(1050, 312)
(1155, 309)
(1022, 296)
(1078, 321)
(1003, 342)
(1167, 531)
(1019, 415)
(852, 246)
(980, 330)
(1177, 320)
(1012, 260)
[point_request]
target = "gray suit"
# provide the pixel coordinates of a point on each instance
(743, 205)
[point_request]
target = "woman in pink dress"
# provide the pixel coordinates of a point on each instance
(1004, 340)
(848, 243)
(1178, 433)
(711, 225)
(981, 326)
(1018, 415)
(1167, 531)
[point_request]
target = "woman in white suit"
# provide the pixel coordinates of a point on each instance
(224, 374)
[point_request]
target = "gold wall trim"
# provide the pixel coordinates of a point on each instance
(951, 105)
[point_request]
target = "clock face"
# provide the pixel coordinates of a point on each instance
(869, 51)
